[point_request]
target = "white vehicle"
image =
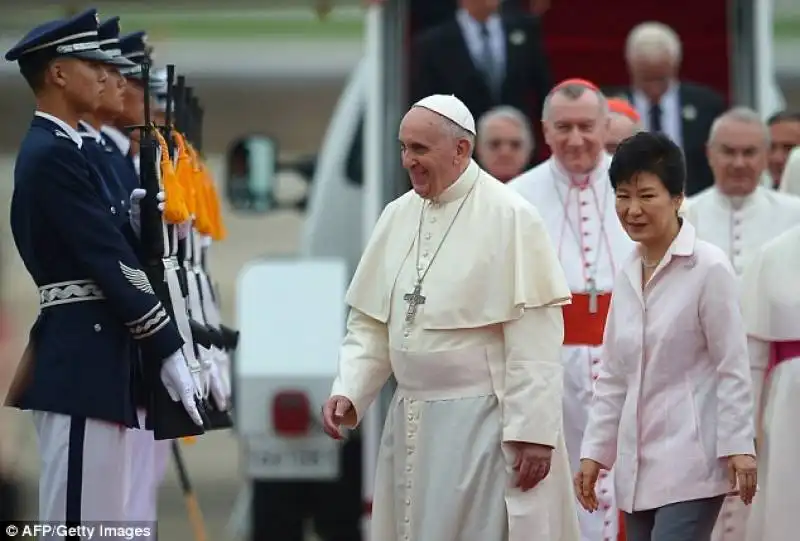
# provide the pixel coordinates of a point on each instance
(728, 45)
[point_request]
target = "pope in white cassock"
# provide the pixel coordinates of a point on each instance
(459, 295)
(740, 216)
(771, 309)
(573, 193)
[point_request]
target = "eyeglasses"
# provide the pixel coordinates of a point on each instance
(513, 144)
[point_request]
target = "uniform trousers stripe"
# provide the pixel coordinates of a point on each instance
(77, 435)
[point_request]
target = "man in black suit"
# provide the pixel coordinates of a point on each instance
(682, 110)
(486, 58)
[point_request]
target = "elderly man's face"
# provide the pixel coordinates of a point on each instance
(503, 148)
(429, 153)
(784, 136)
(620, 127)
(738, 157)
(652, 76)
(576, 131)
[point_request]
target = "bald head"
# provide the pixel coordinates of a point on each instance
(574, 93)
(620, 127)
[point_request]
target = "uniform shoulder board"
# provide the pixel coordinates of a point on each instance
(86, 135)
(60, 133)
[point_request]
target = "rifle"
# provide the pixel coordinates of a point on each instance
(209, 341)
(167, 419)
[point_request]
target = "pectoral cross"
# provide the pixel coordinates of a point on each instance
(414, 299)
(592, 295)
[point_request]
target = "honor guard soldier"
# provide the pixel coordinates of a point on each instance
(132, 47)
(118, 172)
(95, 300)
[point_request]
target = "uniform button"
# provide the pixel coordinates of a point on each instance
(433, 219)
(427, 236)
(587, 249)
(407, 520)
(98, 327)
(584, 203)
(426, 254)
(595, 361)
(585, 218)
(408, 502)
(113, 210)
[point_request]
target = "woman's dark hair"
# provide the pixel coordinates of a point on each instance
(653, 153)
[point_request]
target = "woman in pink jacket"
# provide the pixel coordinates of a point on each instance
(672, 411)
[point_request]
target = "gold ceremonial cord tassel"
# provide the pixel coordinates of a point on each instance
(202, 216)
(184, 170)
(175, 211)
(214, 207)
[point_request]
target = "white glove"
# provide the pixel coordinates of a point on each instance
(220, 380)
(136, 208)
(178, 380)
(215, 383)
(183, 229)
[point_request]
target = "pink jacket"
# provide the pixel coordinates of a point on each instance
(673, 395)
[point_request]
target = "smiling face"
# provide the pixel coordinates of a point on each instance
(737, 154)
(432, 153)
(645, 208)
(575, 130)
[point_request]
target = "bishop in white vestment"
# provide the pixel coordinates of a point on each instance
(740, 216)
(771, 309)
(576, 201)
(459, 295)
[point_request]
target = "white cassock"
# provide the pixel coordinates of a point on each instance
(740, 226)
(579, 214)
(771, 309)
(478, 366)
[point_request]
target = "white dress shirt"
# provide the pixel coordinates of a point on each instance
(671, 123)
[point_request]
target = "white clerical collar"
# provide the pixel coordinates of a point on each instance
(598, 173)
(68, 130)
(89, 130)
(737, 202)
(461, 186)
(122, 141)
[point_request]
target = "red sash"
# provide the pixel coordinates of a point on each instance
(581, 326)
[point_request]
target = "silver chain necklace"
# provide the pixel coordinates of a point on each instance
(416, 298)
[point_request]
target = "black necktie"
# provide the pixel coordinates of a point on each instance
(488, 61)
(655, 118)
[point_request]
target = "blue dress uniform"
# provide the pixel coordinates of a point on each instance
(95, 301)
(132, 47)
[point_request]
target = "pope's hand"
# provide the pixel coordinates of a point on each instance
(178, 381)
(742, 474)
(585, 481)
(532, 463)
(337, 411)
(136, 207)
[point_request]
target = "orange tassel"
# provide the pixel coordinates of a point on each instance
(175, 211)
